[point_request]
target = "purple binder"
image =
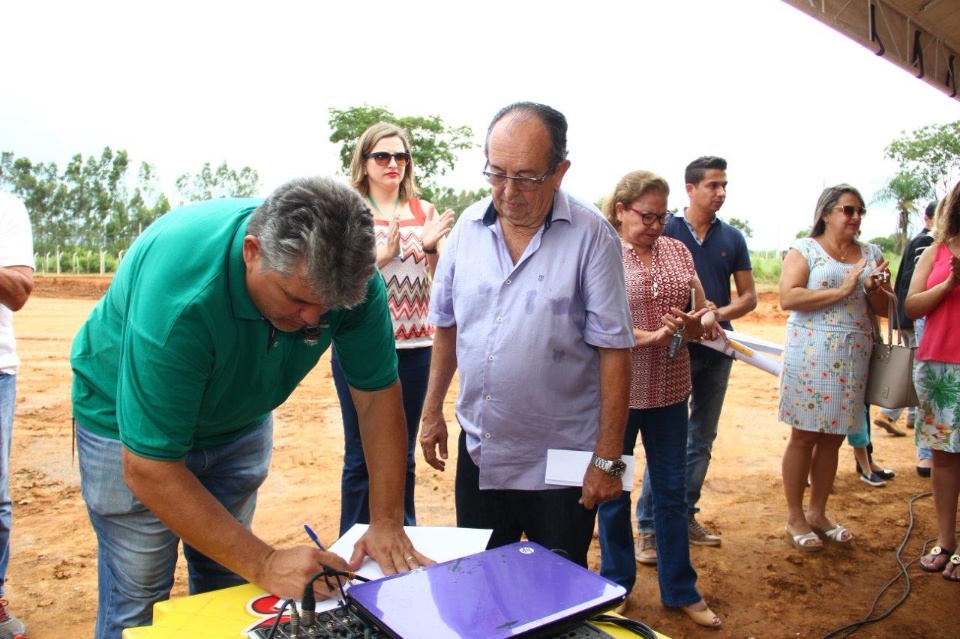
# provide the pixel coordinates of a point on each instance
(519, 590)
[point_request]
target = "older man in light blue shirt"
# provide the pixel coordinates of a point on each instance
(530, 304)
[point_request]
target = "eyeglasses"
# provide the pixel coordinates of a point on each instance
(849, 210)
(382, 158)
(649, 218)
(522, 183)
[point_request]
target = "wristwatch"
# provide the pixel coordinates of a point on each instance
(612, 467)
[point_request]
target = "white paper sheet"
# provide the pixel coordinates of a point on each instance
(440, 543)
(567, 467)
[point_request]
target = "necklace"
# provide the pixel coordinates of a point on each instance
(393, 214)
(652, 269)
(843, 255)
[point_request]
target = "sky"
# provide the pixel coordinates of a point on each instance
(791, 104)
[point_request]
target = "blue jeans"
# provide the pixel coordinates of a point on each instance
(8, 400)
(709, 374)
(136, 552)
(664, 434)
(413, 366)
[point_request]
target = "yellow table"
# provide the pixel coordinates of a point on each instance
(230, 612)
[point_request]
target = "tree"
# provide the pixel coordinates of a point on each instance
(931, 153)
(434, 145)
(94, 203)
(888, 244)
(448, 199)
(224, 182)
(743, 225)
(904, 189)
(146, 204)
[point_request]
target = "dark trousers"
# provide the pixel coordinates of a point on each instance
(551, 518)
(413, 366)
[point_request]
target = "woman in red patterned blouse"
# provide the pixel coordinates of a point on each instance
(661, 285)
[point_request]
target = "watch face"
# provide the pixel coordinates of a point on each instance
(613, 467)
(617, 468)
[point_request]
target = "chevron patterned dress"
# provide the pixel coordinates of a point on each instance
(408, 282)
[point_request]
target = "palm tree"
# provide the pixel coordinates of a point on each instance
(905, 189)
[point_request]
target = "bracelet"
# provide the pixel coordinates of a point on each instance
(871, 292)
(430, 251)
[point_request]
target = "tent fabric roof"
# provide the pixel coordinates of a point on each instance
(921, 36)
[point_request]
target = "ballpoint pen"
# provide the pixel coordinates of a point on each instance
(313, 537)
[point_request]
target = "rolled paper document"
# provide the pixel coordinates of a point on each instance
(742, 353)
(755, 343)
(740, 348)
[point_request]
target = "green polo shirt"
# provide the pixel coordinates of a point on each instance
(177, 357)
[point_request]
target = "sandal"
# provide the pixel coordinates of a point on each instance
(838, 534)
(934, 564)
(705, 617)
(954, 565)
(807, 542)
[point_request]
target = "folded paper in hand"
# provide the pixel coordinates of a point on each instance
(567, 467)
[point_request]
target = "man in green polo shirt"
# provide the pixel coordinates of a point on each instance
(215, 315)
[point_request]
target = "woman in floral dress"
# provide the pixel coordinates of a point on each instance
(933, 293)
(829, 281)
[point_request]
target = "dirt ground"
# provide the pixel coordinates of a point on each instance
(760, 585)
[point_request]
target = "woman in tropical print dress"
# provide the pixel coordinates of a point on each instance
(933, 293)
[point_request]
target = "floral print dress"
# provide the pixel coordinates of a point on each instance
(827, 353)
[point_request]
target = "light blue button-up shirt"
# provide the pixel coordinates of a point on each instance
(527, 335)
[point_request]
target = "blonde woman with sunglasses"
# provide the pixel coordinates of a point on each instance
(408, 232)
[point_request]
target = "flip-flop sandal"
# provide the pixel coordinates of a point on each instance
(835, 534)
(955, 571)
(807, 542)
(935, 565)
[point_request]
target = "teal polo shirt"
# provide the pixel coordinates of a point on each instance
(176, 356)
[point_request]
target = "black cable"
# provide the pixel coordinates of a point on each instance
(276, 621)
(636, 627)
(849, 629)
(308, 601)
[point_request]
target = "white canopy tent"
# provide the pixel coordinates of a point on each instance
(921, 36)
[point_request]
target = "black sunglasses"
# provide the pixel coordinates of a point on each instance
(382, 158)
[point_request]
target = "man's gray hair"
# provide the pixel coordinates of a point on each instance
(323, 227)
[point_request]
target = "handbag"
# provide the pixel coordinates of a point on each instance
(890, 376)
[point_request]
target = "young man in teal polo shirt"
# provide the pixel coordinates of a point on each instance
(216, 314)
